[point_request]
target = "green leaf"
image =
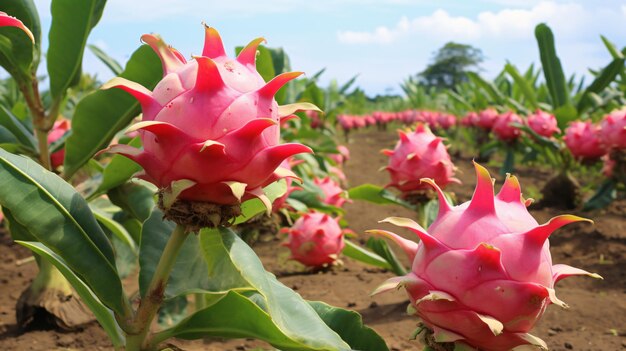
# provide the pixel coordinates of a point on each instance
(115, 228)
(604, 195)
(349, 325)
(508, 166)
(108, 61)
(119, 170)
(103, 315)
(72, 22)
(358, 253)
(12, 124)
(134, 198)
(564, 115)
(26, 11)
(378, 195)
(380, 247)
(235, 316)
(253, 207)
(489, 87)
(551, 64)
(615, 53)
(58, 217)
(606, 77)
(525, 87)
(102, 114)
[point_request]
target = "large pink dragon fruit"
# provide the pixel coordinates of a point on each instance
(613, 128)
(504, 129)
(210, 128)
(419, 154)
(58, 130)
(543, 123)
(482, 274)
(584, 141)
(315, 240)
(334, 195)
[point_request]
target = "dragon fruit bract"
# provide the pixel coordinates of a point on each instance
(315, 240)
(583, 140)
(334, 195)
(210, 128)
(417, 155)
(482, 274)
(58, 130)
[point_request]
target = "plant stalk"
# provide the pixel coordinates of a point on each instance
(44, 151)
(153, 299)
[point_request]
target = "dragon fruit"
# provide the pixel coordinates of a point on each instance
(613, 129)
(58, 130)
(503, 127)
(482, 274)
(9, 21)
(584, 141)
(486, 118)
(334, 195)
(315, 240)
(342, 157)
(543, 123)
(419, 154)
(210, 129)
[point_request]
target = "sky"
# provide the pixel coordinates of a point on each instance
(383, 41)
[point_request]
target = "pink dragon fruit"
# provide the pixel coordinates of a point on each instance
(470, 119)
(210, 128)
(584, 141)
(482, 274)
(342, 157)
(418, 155)
(543, 123)
(613, 128)
(486, 118)
(334, 195)
(503, 127)
(58, 130)
(315, 240)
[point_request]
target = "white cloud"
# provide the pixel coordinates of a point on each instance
(508, 23)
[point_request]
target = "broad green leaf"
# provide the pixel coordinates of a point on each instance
(12, 124)
(489, 87)
(72, 22)
(115, 228)
(349, 325)
(193, 271)
(108, 61)
(235, 316)
(381, 248)
(604, 195)
(378, 195)
(358, 253)
(26, 11)
(58, 217)
(172, 312)
(551, 64)
(16, 53)
(103, 315)
(102, 114)
(614, 51)
(134, 198)
(119, 170)
(525, 87)
(606, 77)
(564, 115)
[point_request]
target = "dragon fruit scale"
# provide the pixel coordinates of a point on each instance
(419, 154)
(584, 140)
(211, 127)
(543, 123)
(482, 274)
(315, 240)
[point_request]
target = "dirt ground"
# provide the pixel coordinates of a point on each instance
(595, 321)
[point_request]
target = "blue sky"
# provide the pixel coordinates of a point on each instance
(383, 41)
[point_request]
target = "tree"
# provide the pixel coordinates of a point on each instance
(449, 66)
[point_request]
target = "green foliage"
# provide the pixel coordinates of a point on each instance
(450, 66)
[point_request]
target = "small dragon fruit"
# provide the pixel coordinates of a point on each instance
(482, 274)
(334, 195)
(504, 129)
(315, 240)
(543, 123)
(210, 128)
(486, 118)
(584, 141)
(613, 129)
(342, 157)
(58, 130)
(419, 154)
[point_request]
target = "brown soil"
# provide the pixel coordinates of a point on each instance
(595, 321)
